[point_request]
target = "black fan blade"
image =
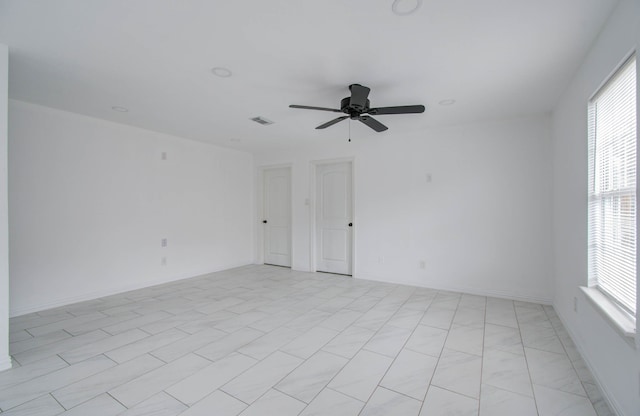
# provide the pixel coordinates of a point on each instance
(403, 109)
(306, 107)
(373, 123)
(359, 96)
(332, 122)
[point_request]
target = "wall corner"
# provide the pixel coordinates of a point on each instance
(5, 359)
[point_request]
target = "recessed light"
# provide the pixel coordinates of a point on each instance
(221, 72)
(447, 102)
(120, 109)
(405, 7)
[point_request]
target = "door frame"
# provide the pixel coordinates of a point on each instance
(313, 194)
(260, 210)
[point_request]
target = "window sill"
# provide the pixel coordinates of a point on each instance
(622, 322)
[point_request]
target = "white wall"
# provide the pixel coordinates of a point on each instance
(614, 363)
(482, 225)
(90, 201)
(5, 360)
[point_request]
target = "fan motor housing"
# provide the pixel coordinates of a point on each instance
(353, 111)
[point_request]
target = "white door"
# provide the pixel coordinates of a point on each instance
(334, 218)
(277, 217)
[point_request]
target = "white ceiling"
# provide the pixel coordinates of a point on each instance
(496, 58)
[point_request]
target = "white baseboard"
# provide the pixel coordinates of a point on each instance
(467, 290)
(613, 405)
(55, 303)
(5, 363)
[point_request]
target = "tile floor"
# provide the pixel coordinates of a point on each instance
(261, 340)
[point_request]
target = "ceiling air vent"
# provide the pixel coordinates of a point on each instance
(262, 120)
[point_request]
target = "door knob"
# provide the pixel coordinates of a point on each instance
(350, 224)
(264, 221)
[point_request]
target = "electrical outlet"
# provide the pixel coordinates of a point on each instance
(575, 304)
(163, 242)
(380, 260)
(423, 264)
(163, 156)
(428, 177)
(163, 261)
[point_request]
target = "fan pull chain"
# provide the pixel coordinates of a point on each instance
(349, 130)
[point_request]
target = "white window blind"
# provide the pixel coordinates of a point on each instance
(612, 187)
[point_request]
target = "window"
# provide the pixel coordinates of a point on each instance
(612, 188)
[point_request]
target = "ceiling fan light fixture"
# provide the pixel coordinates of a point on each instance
(221, 72)
(405, 7)
(356, 107)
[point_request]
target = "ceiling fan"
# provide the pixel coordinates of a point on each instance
(357, 106)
